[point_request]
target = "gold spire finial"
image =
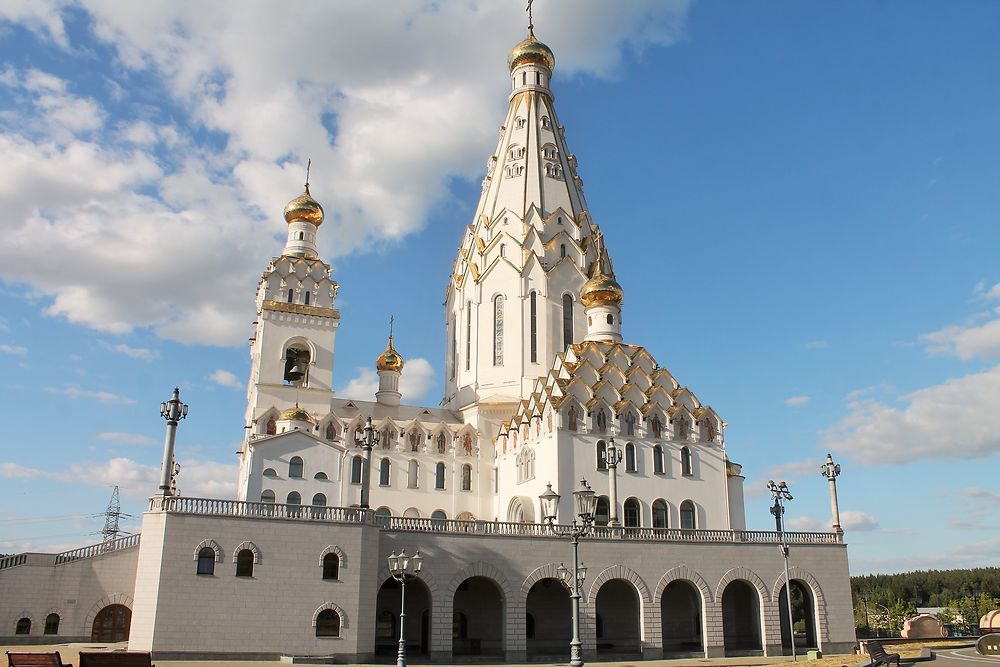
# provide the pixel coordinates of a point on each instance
(391, 320)
(390, 360)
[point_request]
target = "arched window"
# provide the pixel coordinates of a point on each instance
(657, 427)
(546, 123)
(439, 515)
(320, 475)
(331, 566)
(356, 464)
(468, 335)
(571, 414)
(272, 427)
(498, 330)
(383, 472)
(659, 513)
(632, 513)
(23, 626)
(295, 467)
(439, 476)
(291, 295)
(503, 249)
(206, 560)
(630, 458)
(442, 444)
(567, 301)
(534, 327)
(602, 421)
(331, 431)
(328, 624)
(602, 513)
(383, 511)
(244, 563)
(602, 455)
(413, 473)
(52, 624)
(562, 250)
(629, 420)
(305, 298)
(657, 459)
(267, 496)
(293, 498)
(319, 500)
(687, 515)
(611, 319)
(467, 477)
(270, 472)
(686, 468)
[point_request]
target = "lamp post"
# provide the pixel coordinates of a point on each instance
(401, 567)
(173, 411)
(586, 502)
(781, 494)
(367, 442)
(613, 456)
(831, 471)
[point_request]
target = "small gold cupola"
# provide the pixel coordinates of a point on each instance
(304, 215)
(390, 366)
(602, 297)
(531, 51)
(304, 208)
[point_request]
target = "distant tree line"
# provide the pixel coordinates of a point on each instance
(883, 602)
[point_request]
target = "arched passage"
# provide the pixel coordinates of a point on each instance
(803, 615)
(548, 619)
(111, 624)
(418, 606)
(478, 618)
(618, 620)
(741, 619)
(681, 621)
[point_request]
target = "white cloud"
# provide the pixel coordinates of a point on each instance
(120, 438)
(417, 378)
(957, 420)
(16, 350)
(978, 509)
(133, 352)
(16, 471)
(806, 524)
(858, 521)
(796, 401)
(792, 470)
(226, 379)
(373, 103)
(971, 341)
(105, 397)
(817, 345)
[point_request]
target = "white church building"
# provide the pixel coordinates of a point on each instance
(539, 384)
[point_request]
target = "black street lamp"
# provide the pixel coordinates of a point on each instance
(586, 502)
(173, 411)
(781, 494)
(402, 567)
(367, 443)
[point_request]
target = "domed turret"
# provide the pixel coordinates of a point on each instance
(602, 289)
(531, 51)
(304, 208)
(304, 215)
(602, 297)
(390, 366)
(389, 360)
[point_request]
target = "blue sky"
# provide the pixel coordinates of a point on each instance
(801, 199)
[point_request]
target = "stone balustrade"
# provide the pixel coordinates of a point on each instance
(98, 549)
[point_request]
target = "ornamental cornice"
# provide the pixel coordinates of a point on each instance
(300, 309)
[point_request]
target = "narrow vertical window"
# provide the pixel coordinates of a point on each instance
(498, 330)
(602, 457)
(467, 477)
(305, 299)
(630, 458)
(534, 327)
(688, 515)
(356, 464)
(454, 347)
(244, 563)
(468, 334)
(562, 250)
(439, 476)
(412, 474)
(291, 295)
(383, 472)
(686, 467)
(567, 320)
(658, 459)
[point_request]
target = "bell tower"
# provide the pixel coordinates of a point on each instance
(291, 351)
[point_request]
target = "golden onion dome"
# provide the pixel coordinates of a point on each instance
(295, 414)
(389, 360)
(531, 51)
(304, 207)
(600, 290)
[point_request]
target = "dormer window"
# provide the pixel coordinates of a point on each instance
(519, 123)
(546, 123)
(549, 152)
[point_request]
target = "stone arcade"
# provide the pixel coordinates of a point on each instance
(537, 378)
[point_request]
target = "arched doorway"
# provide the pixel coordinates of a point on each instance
(418, 605)
(680, 616)
(741, 619)
(804, 616)
(618, 621)
(111, 624)
(548, 619)
(478, 618)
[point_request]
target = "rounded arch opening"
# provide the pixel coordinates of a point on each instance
(741, 619)
(111, 624)
(681, 619)
(803, 617)
(548, 619)
(478, 623)
(619, 622)
(418, 607)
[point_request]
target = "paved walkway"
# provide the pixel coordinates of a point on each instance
(964, 657)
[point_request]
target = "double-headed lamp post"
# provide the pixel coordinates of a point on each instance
(367, 443)
(586, 502)
(781, 494)
(613, 456)
(173, 411)
(403, 566)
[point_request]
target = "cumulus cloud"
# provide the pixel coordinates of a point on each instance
(226, 379)
(16, 350)
(796, 401)
(956, 419)
(142, 353)
(120, 190)
(417, 378)
(806, 524)
(105, 397)
(858, 521)
(977, 339)
(120, 438)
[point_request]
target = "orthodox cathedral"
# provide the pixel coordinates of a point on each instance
(541, 391)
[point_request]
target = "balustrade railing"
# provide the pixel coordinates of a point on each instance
(353, 515)
(13, 561)
(98, 549)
